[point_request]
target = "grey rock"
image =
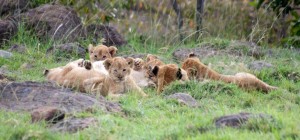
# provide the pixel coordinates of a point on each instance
(110, 34)
(241, 48)
(73, 125)
(201, 52)
(18, 48)
(56, 22)
(237, 120)
(68, 50)
(12, 6)
(26, 66)
(5, 54)
(8, 28)
(259, 65)
(184, 98)
(27, 96)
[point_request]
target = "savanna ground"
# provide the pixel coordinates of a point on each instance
(158, 118)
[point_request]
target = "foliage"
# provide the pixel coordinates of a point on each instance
(283, 8)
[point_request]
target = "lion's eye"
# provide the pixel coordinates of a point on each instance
(124, 69)
(91, 51)
(115, 70)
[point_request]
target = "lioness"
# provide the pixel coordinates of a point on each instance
(196, 69)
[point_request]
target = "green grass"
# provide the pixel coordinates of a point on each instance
(156, 117)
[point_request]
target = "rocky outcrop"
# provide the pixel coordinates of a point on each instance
(12, 6)
(27, 96)
(110, 34)
(8, 28)
(56, 22)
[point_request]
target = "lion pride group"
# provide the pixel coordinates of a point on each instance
(113, 76)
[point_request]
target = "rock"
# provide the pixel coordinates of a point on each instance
(110, 34)
(201, 52)
(245, 48)
(5, 54)
(259, 65)
(54, 22)
(74, 124)
(184, 98)
(18, 48)
(47, 113)
(12, 6)
(68, 50)
(27, 96)
(8, 28)
(237, 120)
(26, 66)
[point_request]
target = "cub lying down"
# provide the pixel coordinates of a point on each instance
(166, 74)
(117, 82)
(196, 69)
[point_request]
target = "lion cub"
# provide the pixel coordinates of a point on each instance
(98, 54)
(196, 69)
(119, 79)
(151, 62)
(139, 74)
(166, 74)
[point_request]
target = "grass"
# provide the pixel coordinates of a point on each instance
(156, 117)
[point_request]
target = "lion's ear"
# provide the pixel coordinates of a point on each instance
(112, 50)
(90, 48)
(150, 57)
(130, 61)
(107, 63)
(155, 70)
(192, 54)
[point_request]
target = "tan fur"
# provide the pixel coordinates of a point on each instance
(101, 52)
(196, 69)
(168, 73)
(151, 62)
(74, 76)
(119, 80)
(139, 74)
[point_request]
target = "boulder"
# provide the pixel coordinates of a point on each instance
(47, 113)
(67, 50)
(8, 28)
(241, 48)
(201, 52)
(12, 6)
(184, 98)
(18, 48)
(73, 125)
(110, 34)
(237, 120)
(27, 96)
(5, 54)
(55, 22)
(259, 65)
